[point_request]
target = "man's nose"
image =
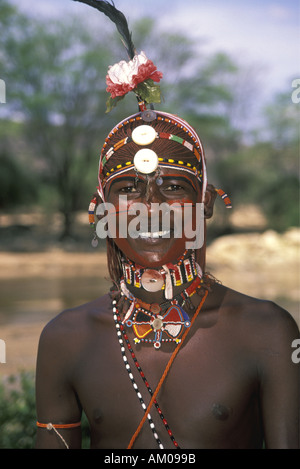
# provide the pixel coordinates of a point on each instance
(152, 193)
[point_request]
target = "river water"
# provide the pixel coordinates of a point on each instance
(40, 299)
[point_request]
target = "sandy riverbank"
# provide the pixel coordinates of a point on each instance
(262, 265)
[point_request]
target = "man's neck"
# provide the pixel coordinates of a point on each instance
(176, 277)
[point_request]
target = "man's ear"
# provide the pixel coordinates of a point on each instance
(209, 201)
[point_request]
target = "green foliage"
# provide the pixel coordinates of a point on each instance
(266, 176)
(282, 210)
(17, 412)
(17, 185)
(18, 416)
(266, 173)
(56, 76)
(207, 98)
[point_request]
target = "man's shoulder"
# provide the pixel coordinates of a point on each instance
(258, 313)
(72, 324)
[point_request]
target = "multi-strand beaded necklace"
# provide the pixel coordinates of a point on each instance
(156, 323)
(157, 319)
(169, 276)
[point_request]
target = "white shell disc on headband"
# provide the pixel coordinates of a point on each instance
(145, 161)
(143, 135)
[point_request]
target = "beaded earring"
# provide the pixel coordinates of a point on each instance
(91, 213)
(224, 197)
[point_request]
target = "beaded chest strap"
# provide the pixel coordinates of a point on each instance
(123, 339)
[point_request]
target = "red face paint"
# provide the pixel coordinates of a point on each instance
(148, 243)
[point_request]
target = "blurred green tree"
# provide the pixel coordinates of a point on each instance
(17, 183)
(208, 96)
(18, 413)
(55, 72)
(266, 173)
(281, 191)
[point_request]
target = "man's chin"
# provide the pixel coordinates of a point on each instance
(151, 251)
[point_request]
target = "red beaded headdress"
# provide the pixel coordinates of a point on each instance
(150, 139)
(142, 131)
(141, 76)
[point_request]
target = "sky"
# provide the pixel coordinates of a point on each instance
(262, 34)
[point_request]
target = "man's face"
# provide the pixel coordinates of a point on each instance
(154, 238)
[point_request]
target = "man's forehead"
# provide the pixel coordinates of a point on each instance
(169, 176)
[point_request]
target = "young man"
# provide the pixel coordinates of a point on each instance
(169, 358)
(232, 383)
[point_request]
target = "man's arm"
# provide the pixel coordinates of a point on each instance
(279, 378)
(56, 401)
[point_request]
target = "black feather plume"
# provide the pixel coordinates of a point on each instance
(116, 17)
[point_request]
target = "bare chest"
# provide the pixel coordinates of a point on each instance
(208, 398)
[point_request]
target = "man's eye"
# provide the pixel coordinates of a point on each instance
(173, 188)
(128, 189)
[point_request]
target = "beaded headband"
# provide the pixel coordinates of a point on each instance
(145, 160)
(145, 136)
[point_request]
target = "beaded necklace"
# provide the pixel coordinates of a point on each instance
(182, 272)
(157, 323)
(169, 276)
(122, 332)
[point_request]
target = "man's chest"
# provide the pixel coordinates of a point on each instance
(207, 395)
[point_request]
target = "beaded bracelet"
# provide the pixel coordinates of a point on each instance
(53, 426)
